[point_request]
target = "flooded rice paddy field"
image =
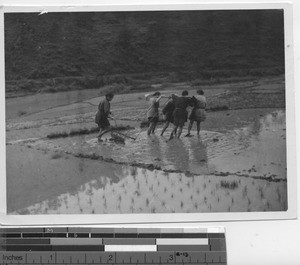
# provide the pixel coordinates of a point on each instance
(238, 164)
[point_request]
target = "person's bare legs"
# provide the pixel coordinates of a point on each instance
(189, 128)
(173, 132)
(150, 128)
(103, 131)
(164, 128)
(179, 131)
(154, 127)
(198, 128)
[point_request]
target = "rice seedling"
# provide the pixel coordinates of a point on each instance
(196, 205)
(172, 195)
(181, 189)
(147, 202)
(153, 209)
(163, 203)
(198, 191)
(57, 135)
(261, 192)
(181, 204)
(137, 193)
(191, 197)
(232, 185)
(278, 194)
(204, 186)
(93, 211)
(232, 200)
(188, 184)
(57, 156)
(165, 190)
(245, 191)
(205, 199)
(133, 171)
(218, 199)
(249, 201)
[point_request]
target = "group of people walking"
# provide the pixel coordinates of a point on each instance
(174, 111)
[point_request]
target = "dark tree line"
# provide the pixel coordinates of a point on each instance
(104, 43)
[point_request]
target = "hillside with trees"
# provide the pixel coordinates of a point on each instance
(66, 51)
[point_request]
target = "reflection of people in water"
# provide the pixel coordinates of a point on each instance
(178, 155)
(155, 150)
(198, 113)
(198, 157)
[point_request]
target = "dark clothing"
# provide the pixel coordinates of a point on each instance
(153, 119)
(180, 113)
(168, 111)
(181, 102)
(102, 114)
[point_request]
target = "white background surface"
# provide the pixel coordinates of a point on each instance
(248, 242)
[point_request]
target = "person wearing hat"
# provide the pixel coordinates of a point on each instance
(152, 112)
(198, 113)
(103, 114)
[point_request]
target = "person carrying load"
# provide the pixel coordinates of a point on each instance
(103, 114)
(198, 113)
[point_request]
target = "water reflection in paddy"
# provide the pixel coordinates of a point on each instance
(256, 150)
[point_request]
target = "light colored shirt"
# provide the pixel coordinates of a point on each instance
(201, 101)
(153, 108)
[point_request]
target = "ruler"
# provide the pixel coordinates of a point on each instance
(119, 246)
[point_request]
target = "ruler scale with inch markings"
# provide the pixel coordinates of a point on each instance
(118, 246)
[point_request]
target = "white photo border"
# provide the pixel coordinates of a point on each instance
(74, 219)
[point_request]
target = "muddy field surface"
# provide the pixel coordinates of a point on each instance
(237, 164)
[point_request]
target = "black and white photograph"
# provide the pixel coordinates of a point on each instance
(145, 112)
